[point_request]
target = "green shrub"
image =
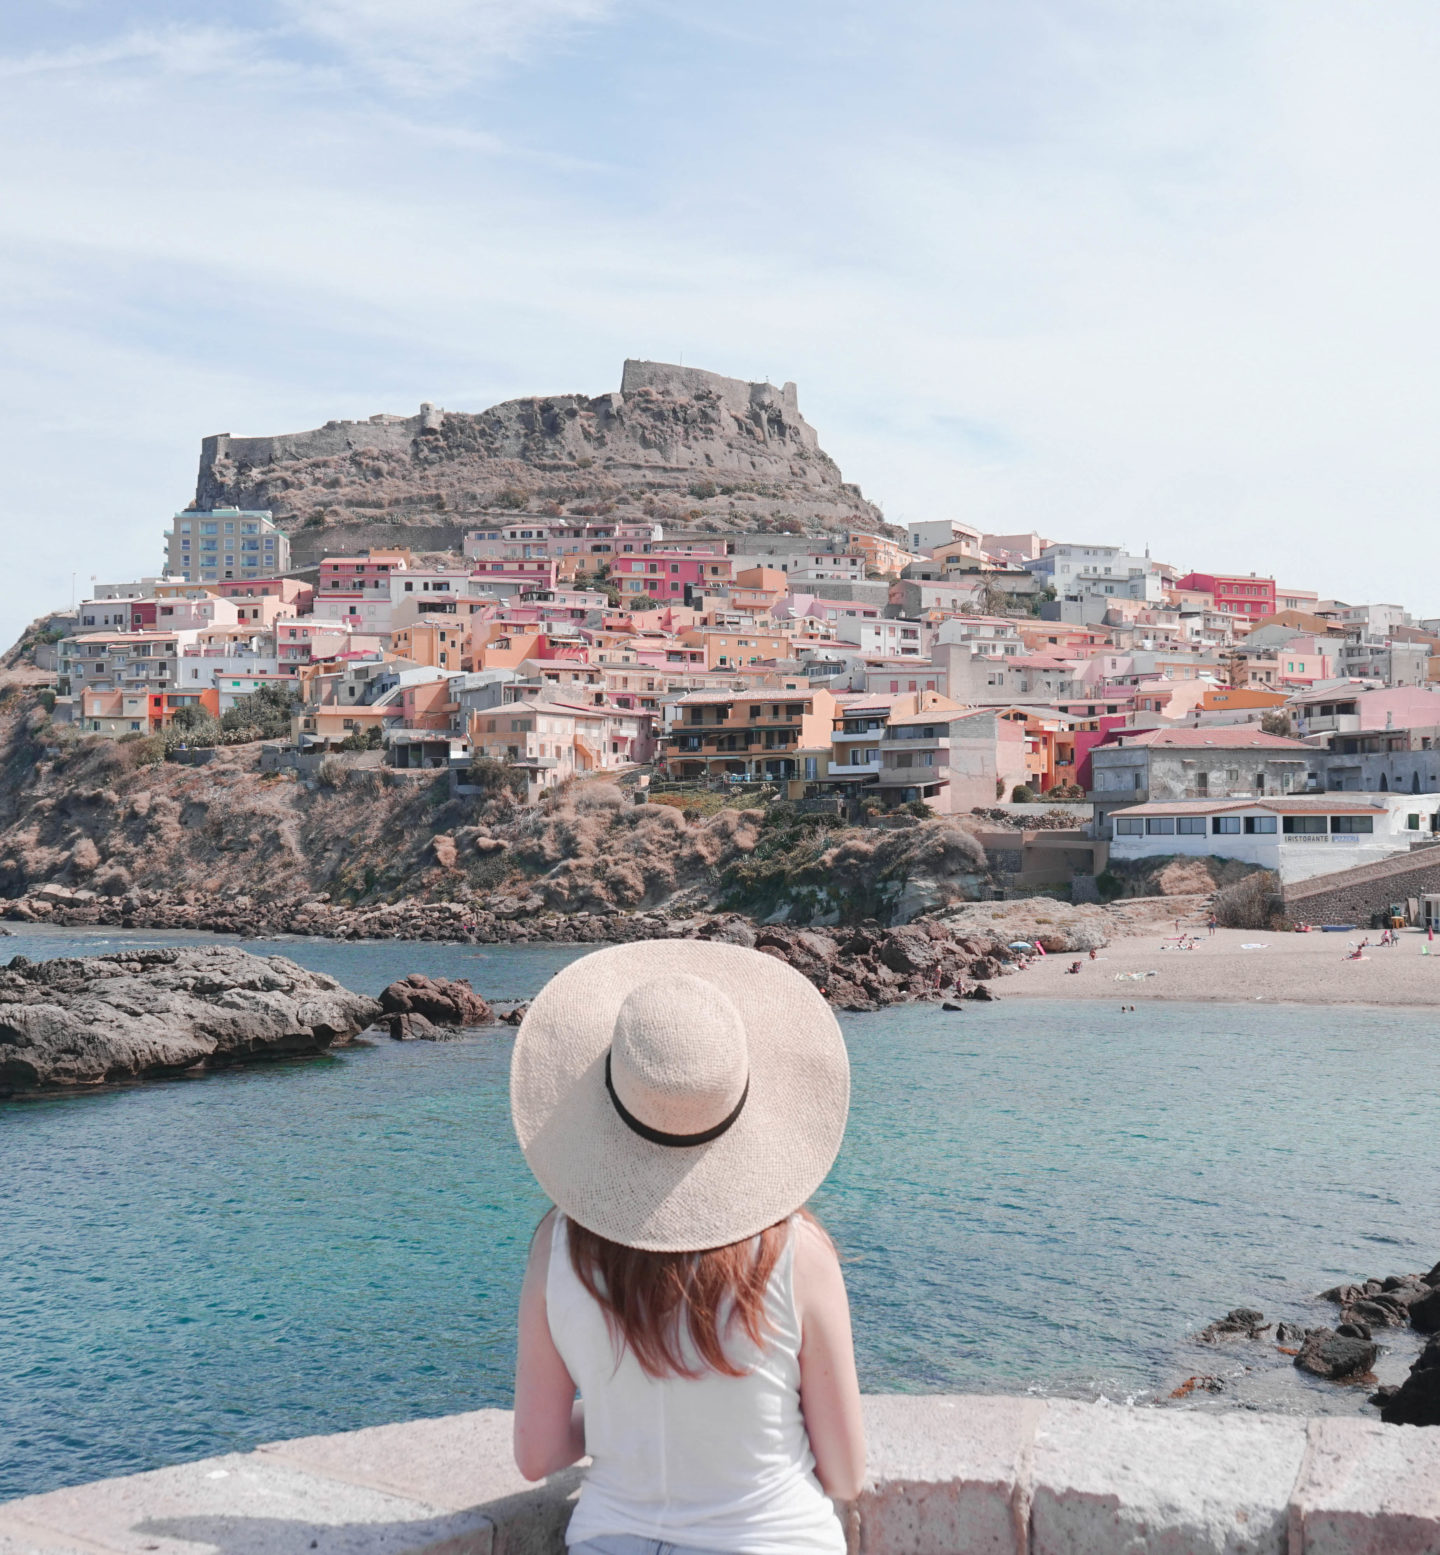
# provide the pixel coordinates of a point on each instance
(1109, 885)
(1022, 794)
(497, 776)
(265, 710)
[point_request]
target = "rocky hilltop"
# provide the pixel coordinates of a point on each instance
(677, 444)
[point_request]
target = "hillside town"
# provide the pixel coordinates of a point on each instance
(941, 671)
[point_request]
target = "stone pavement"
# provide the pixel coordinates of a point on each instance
(948, 1476)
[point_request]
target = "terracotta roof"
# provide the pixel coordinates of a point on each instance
(939, 715)
(764, 694)
(1243, 738)
(1287, 804)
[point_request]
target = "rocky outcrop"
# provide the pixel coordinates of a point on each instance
(1417, 1400)
(1333, 1355)
(862, 968)
(439, 1001)
(1238, 1323)
(79, 1022)
(869, 968)
(677, 444)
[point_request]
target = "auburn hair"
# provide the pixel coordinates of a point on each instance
(647, 1297)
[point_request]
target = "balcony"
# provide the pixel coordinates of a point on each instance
(852, 769)
(911, 777)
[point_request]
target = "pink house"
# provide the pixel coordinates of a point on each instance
(536, 572)
(668, 575)
(797, 606)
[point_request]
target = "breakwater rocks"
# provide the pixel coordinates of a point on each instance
(1398, 1301)
(1348, 1351)
(80, 1022)
(863, 968)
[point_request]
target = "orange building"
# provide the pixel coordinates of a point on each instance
(884, 556)
(432, 644)
(121, 712)
(763, 733)
(1228, 698)
(725, 647)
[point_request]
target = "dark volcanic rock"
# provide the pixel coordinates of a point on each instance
(1417, 1400)
(1238, 1323)
(84, 1021)
(1328, 1354)
(1425, 1313)
(446, 1002)
(1375, 1312)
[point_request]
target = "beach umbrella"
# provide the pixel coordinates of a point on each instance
(1020, 944)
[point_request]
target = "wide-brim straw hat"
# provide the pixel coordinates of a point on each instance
(675, 1095)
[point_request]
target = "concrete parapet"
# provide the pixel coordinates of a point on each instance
(948, 1476)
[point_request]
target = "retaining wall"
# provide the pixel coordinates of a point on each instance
(1355, 896)
(948, 1476)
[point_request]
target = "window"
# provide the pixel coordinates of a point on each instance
(1225, 825)
(1352, 823)
(1304, 825)
(1412, 822)
(1129, 826)
(1160, 825)
(1259, 824)
(1190, 825)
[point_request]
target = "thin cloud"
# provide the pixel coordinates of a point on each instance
(439, 45)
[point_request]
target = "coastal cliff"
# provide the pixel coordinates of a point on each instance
(95, 831)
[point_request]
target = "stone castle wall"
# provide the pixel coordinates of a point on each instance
(686, 382)
(335, 437)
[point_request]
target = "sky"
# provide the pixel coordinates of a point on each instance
(1138, 272)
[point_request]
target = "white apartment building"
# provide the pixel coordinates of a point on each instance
(893, 639)
(1297, 836)
(105, 613)
(922, 538)
(225, 544)
(121, 661)
(1073, 570)
(990, 636)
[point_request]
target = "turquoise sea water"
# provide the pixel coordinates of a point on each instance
(1031, 1195)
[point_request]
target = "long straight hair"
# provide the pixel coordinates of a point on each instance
(649, 1298)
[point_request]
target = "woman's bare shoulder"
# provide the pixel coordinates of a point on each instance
(816, 1260)
(539, 1259)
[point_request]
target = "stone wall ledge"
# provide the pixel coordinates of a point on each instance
(948, 1476)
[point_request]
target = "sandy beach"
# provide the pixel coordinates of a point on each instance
(1282, 968)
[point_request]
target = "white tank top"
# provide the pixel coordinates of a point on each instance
(713, 1462)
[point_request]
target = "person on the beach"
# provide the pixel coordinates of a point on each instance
(1212, 923)
(679, 1101)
